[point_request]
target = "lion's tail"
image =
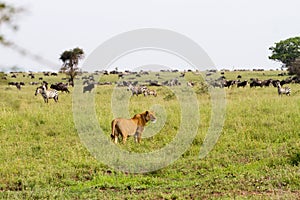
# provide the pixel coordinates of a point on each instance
(113, 126)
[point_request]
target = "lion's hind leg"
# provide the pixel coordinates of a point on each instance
(114, 133)
(114, 136)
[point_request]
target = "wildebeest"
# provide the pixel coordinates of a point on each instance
(88, 88)
(104, 83)
(267, 82)
(255, 83)
(17, 84)
(154, 83)
(242, 83)
(60, 87)
(228, 83)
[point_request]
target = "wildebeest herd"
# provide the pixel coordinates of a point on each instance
(136, 88)
(221, 82)
(46, 93)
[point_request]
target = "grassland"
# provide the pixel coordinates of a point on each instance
(257, 155)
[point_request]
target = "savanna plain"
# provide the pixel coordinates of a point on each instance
(257, 155)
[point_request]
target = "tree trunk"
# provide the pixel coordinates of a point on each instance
(71, 81)
(294, 67)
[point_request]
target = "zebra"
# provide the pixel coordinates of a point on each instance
(47, 94)
(136, 90)
(285, 90)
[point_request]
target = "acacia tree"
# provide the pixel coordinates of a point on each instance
(70, 59)
(287, 52)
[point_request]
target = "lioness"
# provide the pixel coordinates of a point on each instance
(133, 126)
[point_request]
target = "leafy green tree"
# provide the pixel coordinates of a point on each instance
(286, 52)
(70, 59)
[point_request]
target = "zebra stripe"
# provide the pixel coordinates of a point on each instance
(285, 90)
(136, 90)
(47, 94)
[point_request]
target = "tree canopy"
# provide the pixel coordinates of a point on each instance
(70, 59)
(286, 52)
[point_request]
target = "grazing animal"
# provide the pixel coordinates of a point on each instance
(128, 127)
(45, 83)
(228, 83)
(47, 94)
(150, 92)
(136, 90)
(266, 83)
(286, 90)
(216, 83)
(190, 84)
(88, 88)
(18, 86)
(60, 87)
(256, 83)
(242, 83)
(174, 82)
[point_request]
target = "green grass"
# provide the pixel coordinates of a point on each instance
(257, 155)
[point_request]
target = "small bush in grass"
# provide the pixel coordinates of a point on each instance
(295, 159)
(169, 96)
(202, 88)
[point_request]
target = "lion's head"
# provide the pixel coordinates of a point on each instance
(150, 116)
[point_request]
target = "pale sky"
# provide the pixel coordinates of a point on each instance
(235, 34)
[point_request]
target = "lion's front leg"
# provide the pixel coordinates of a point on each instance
(138, 134)
(124, 137)
(116, 140)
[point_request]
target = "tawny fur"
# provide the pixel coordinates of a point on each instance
(128, 127)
